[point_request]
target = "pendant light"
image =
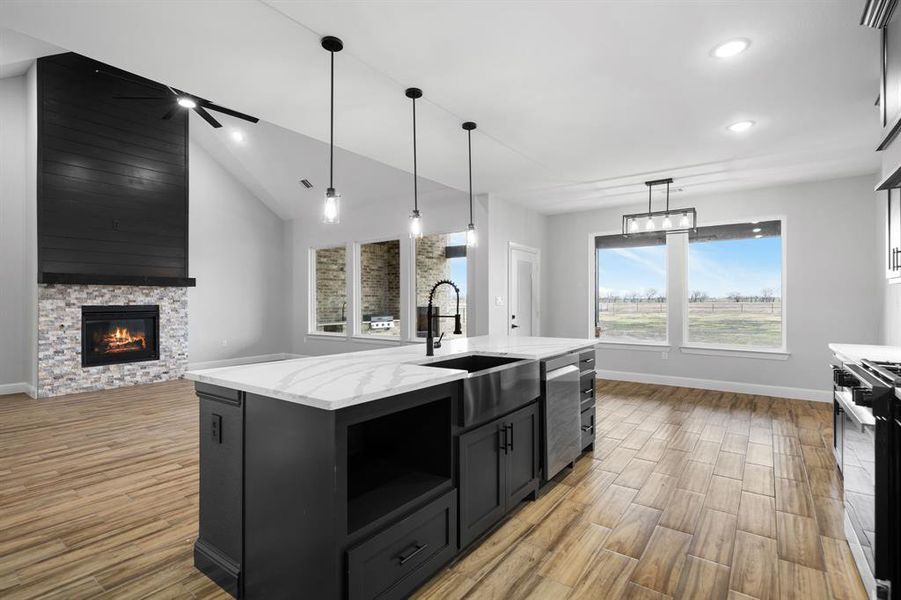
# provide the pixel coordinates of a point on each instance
(471, 240)
(415, 219)
(638, 223)
(331, 206)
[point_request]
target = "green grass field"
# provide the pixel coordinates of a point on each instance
(725, 326)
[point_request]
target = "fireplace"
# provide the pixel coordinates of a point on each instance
(119, 334)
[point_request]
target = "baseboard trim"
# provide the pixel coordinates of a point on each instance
(242, 360)
(720, 386)
(18, 388)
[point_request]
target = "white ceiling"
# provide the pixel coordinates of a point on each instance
(577, 102)
(18, 51)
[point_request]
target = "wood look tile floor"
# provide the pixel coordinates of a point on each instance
(688, 494)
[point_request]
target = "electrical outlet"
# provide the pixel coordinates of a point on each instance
(216, 428)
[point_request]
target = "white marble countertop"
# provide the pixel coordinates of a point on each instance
(336, 381)
(856, 352)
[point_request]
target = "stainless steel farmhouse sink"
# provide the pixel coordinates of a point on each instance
(496, 384)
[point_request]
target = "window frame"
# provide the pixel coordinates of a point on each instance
(410, 319)
(312, 320)
(356, 332)
(690, 347)
(624, 343)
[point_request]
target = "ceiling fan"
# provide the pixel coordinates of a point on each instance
(179, 99)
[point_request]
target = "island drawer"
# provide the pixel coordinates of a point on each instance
(588, 417)
(394, 562)
(586, 360)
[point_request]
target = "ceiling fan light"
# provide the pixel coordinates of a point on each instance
(186, 102)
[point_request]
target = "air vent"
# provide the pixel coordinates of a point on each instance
(306, 183)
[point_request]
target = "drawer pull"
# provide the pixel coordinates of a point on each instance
(588, 391)
(416, 550)
(588, 361)
(587, 428)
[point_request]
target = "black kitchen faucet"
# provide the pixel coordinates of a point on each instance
(458, 329)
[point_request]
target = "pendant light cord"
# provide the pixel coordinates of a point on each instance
(415, 176)
(331, 126)
(469, 139)
(649, 200)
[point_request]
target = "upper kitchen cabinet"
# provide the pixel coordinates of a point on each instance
(893, 234)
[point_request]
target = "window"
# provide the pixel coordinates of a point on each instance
(330, 281)
(630, 297)
(735, 286)
(380, 288)
(441, 256)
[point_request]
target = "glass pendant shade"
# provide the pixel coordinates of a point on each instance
(331, 207)
(471, 238)
(415, 224)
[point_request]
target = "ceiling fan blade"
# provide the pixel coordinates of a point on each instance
(146, 84)
(207, 117)
(228, 111)
(169, 114)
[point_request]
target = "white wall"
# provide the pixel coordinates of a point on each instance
(14, 362)
(519, 225)
(831, 286)
(237, 253)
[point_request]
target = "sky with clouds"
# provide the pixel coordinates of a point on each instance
(716, 268)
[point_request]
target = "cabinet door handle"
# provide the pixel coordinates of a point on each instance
(416, 550)
(502, 444)
(511, 436)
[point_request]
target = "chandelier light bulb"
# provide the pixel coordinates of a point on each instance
(649, 224)
(667, 222)
(415, 225)
(633, 226)
(683, 221)
(330, 210)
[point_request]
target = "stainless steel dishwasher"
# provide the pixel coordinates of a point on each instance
(561, 417)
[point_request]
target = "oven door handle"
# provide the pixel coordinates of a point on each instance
(849, 409)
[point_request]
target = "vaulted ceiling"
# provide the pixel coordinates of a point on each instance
(577, 102)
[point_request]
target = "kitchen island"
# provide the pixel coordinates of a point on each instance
(360, 475)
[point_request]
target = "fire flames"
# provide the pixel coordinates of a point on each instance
(122, 340)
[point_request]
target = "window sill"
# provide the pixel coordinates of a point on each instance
(327, 336)
(374, 339)
(640, 346)
(736, 353)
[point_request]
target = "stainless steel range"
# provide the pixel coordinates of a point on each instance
(867, 431)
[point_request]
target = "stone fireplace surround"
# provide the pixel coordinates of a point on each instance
(59, 338)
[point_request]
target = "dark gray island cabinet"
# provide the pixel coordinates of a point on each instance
(359, 476)
(367, 501)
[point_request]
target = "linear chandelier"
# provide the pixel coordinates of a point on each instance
(679, 220)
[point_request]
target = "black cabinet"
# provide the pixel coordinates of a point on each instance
(498, 468)
(218, 551)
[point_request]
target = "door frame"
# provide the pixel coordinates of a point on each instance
(536, 286)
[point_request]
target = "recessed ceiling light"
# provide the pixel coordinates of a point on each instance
(756, 230)
(186, 102)
(731, 48)
(759, 235)
(238, 135)
(741, 126)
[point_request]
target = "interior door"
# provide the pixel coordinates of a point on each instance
(523, 284)
(522, 454)
(482, 480)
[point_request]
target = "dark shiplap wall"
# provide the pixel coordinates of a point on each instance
(112, 177)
